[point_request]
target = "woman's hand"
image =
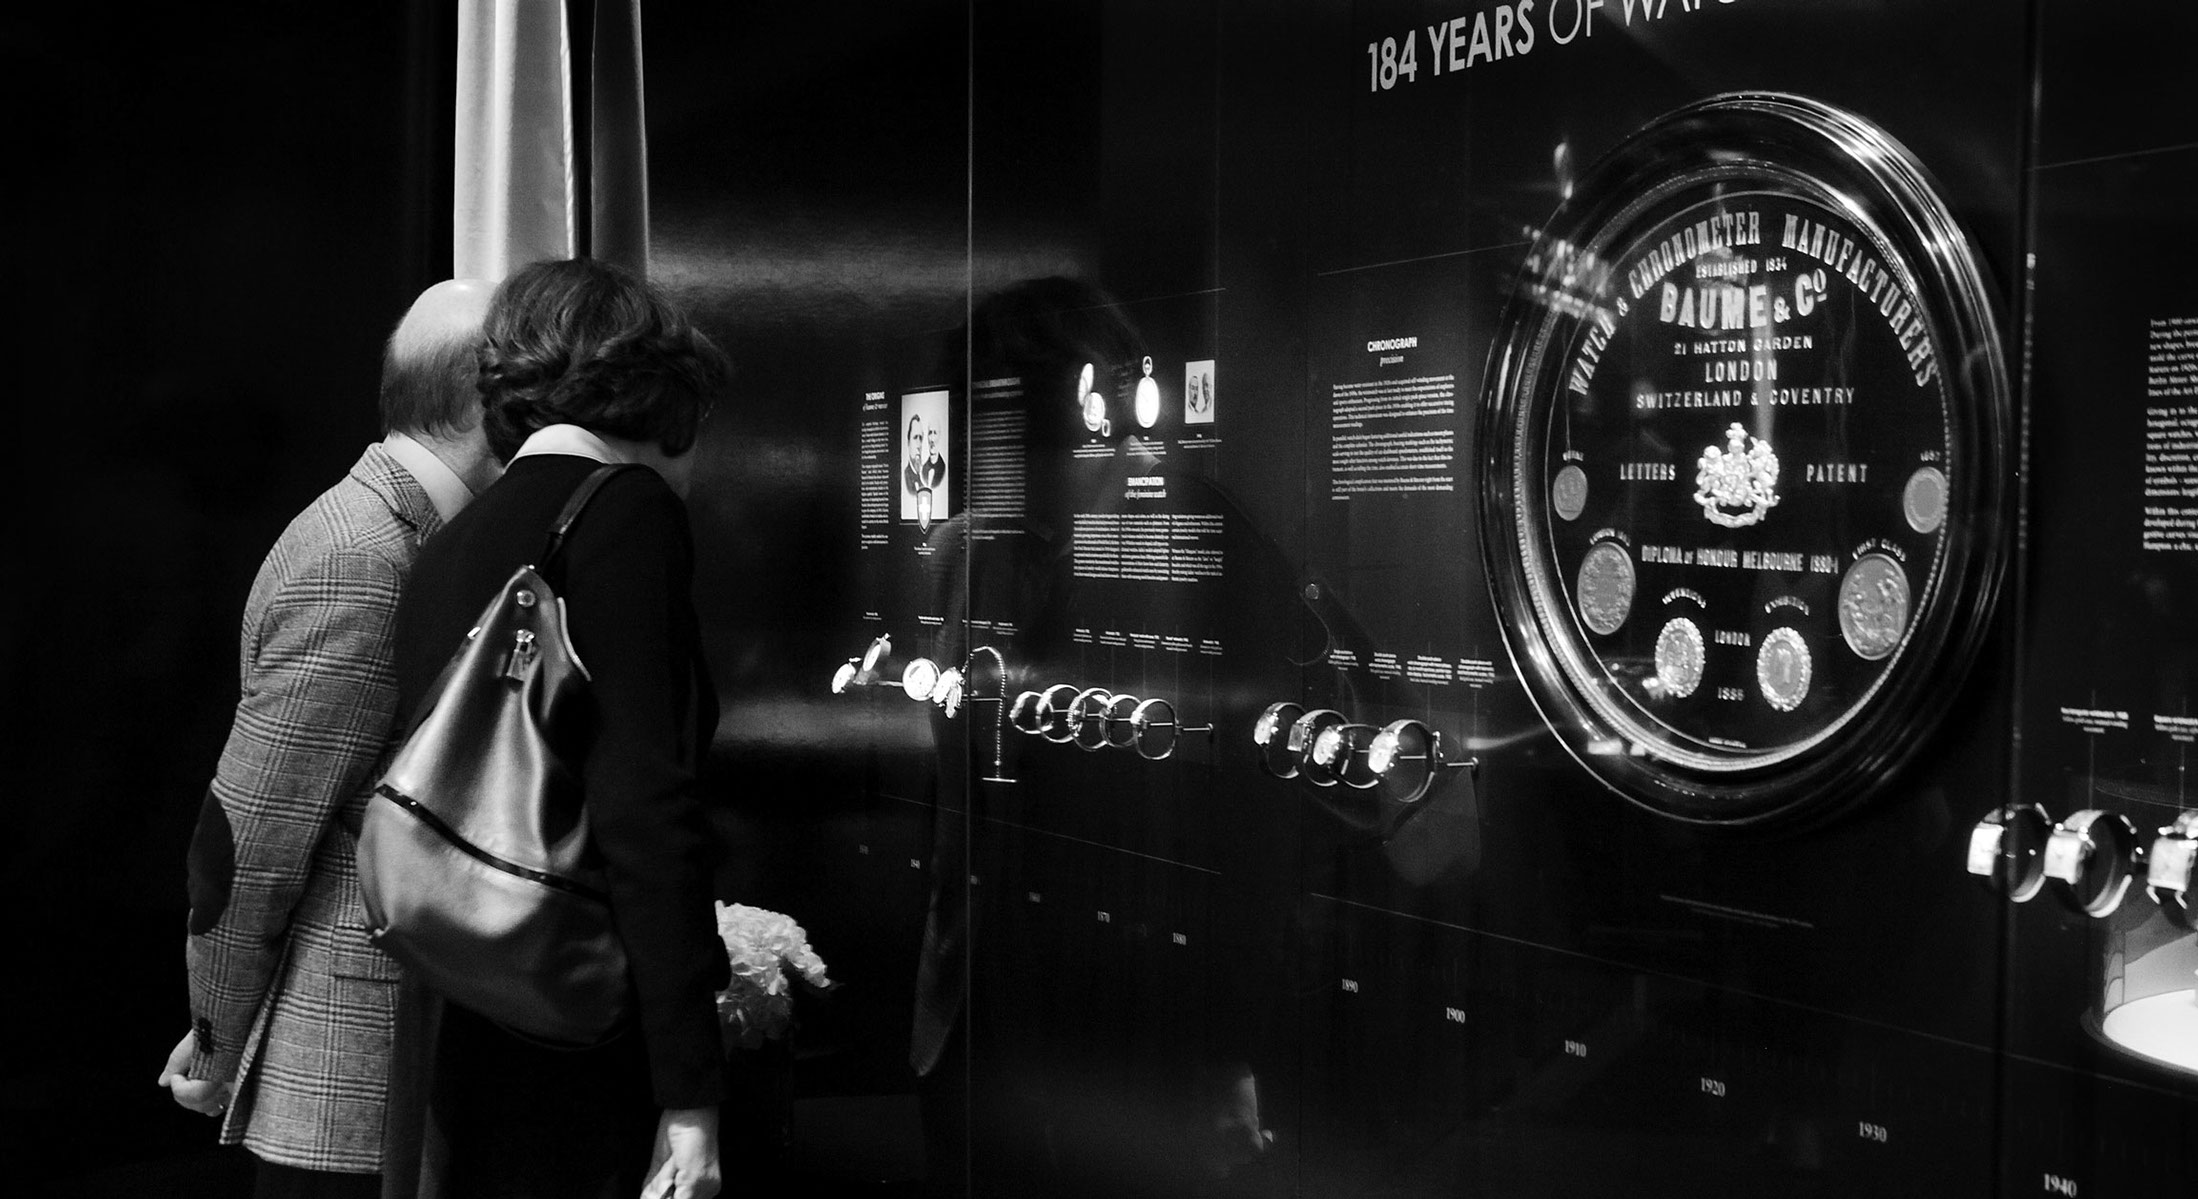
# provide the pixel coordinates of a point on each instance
(204, 1096)
(684, 1163)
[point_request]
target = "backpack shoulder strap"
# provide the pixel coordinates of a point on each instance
(555, 544)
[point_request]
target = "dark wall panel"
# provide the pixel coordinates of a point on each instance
(1189, 976)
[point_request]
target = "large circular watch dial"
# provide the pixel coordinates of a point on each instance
(1744, 460)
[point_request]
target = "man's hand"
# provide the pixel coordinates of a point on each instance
(684, 1162)
(210, 1098)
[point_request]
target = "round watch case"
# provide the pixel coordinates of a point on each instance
(1749, 381)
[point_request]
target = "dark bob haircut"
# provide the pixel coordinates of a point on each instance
(584, 343)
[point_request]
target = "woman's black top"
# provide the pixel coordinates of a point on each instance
(625, 575)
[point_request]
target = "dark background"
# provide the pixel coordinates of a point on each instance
(220, 215)
(223, 213)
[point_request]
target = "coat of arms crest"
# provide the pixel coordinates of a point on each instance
(1736, 485)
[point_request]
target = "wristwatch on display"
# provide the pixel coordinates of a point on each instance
(1087, 718)
(1155, 728)
(2171, 869)
(1022, 715)
(2094, 853)
(1341, 750)
(1271, 733)
(2007, 848)
(1304, 733)
(1119, 733)
(1405, 756)
(1056, 719)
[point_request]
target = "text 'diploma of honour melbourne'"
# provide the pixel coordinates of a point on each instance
(1152, 547)
(1392, 435)
(2171, 436)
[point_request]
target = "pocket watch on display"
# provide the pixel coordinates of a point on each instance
(1745, 467)
(1148, 398)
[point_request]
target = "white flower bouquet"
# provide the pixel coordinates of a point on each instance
(768, 952)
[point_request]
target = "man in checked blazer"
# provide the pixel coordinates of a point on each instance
(291, 1007)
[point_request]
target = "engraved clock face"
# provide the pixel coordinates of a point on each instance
(1744, 415)
(1745, 449)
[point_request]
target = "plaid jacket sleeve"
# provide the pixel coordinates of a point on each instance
(318, 703)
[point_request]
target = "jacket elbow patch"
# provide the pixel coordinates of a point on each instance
(212, 866)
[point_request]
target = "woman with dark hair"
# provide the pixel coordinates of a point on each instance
(584, 365)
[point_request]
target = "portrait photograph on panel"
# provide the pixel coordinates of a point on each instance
(926, 441)
(1198, 392)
